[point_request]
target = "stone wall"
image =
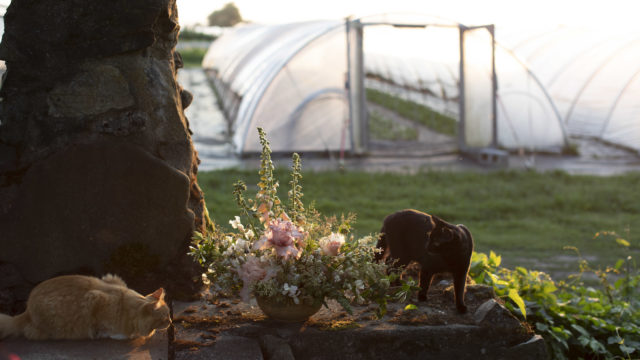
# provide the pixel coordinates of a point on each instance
(97, 166)
(221, 328)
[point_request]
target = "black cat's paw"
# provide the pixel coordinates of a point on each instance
(462, 309)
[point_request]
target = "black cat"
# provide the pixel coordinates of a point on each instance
(411, 235)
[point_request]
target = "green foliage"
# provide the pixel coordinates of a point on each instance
(187, 34)
(576, 320)
(525, 216)
(192, 57)
(405, 291)
(229, 15)
(410, 307)
(415, 112)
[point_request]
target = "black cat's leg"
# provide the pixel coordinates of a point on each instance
(459, 284)
(425, 282)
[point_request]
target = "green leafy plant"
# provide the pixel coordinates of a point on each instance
(287, 251)
(576, 320)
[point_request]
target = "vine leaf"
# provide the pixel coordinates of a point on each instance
(515, 297)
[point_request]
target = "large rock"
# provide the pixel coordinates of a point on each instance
(97, 90)
(77, 208)
(97, 168)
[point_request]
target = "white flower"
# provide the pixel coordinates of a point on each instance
(236, 224)
(205, 279)
(292, 291)
(331, 244)
(242, 244)
(359, 284)
(249, 234)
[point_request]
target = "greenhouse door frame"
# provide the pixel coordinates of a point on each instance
(493, 120)
(358, 117)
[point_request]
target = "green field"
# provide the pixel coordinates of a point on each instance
(192, 57)
(527, 217)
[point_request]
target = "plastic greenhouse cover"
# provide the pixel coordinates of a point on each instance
(592, 77)
(304, 106)
(552, 83)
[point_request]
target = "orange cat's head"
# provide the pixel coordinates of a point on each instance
(155, 312)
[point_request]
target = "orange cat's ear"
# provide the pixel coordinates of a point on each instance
(158, 295)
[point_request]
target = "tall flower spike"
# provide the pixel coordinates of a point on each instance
(239, 187)
(296, 207)
(268, 193)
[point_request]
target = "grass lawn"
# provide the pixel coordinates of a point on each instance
(527, 217)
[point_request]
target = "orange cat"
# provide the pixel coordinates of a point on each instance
(84, 307)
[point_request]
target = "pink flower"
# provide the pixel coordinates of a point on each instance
(251, 272)
(330, 245)
(282, 235)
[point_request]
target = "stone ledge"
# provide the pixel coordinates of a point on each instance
(154, 348)
(433, 331)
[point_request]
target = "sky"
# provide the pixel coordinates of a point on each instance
(619, 13)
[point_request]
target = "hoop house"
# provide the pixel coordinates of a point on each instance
(592, 75)
(288, 79)
(305, 82)
(424, 67)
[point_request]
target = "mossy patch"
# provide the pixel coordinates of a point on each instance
(338, 325)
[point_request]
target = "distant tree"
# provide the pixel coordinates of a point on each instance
(229, 15)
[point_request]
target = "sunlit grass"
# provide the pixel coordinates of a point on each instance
(527, 217)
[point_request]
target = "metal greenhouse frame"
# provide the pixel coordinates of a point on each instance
(357, 100)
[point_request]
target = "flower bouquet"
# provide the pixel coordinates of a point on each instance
(287, 254)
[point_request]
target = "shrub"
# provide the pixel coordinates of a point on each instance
(575, 319)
